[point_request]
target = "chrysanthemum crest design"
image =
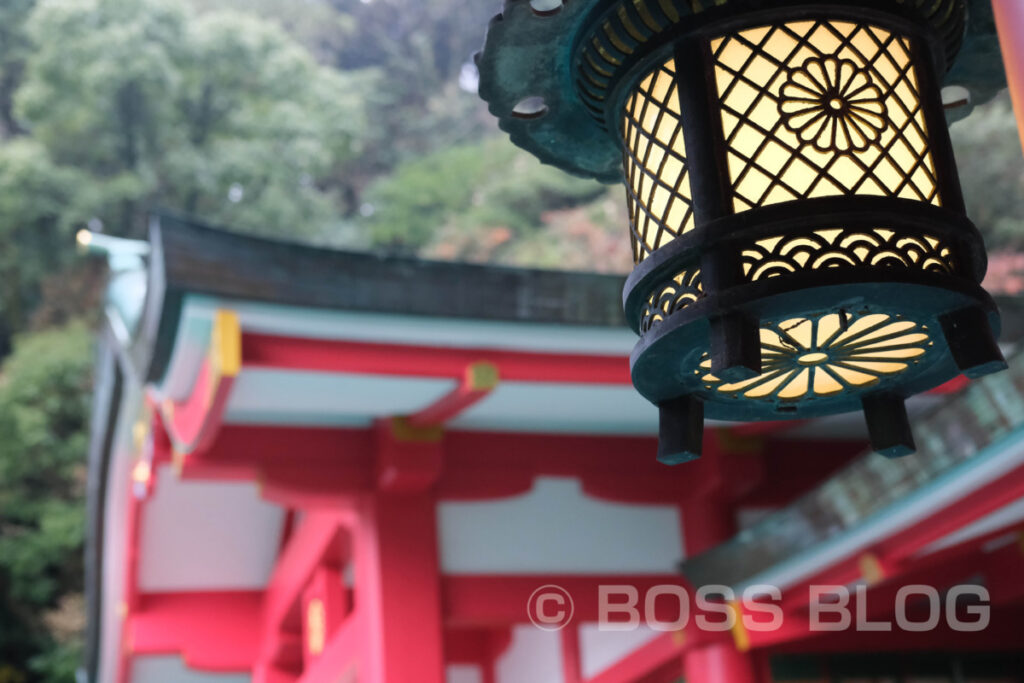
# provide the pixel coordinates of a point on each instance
(834, 105)
(827, 355)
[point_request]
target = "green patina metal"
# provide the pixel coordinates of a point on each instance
(548, 54)
(531, 55)
(979, 66)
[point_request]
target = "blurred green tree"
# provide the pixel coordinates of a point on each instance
(220, 114)
(43, 420)
(14, 47)
(988, 154)
(489, 184)
(426, 100)
(35, 221)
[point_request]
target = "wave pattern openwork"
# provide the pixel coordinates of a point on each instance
(684, 289)
(822, 108)
(826, 355)
(783, 255)
(838, 248)
(657, 177)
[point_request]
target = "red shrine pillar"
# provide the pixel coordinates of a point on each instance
(397, 580)
(396, 559)
(1010, 24)
(708, 520)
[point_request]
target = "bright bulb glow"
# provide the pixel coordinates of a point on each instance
(656, 171)
(808, 109)
(818, 109)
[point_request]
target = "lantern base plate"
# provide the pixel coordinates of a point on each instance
(824, 350)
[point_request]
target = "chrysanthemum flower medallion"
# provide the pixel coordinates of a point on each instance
(826, 355)
(834, 105)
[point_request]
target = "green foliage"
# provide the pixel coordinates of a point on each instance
(220, 114)
(490, 184)
(991, 167)
(43, 420)
(14, 46)
(36, 216)
(59, 662)
(421, 47)
(318, 25)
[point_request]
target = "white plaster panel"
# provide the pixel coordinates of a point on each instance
(207, 535)
(533, 656)
(556, 528)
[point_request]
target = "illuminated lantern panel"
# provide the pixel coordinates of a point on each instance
(799, 238)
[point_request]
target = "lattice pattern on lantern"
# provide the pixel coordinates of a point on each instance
(838, 248)
(826, 355)
(657, 178)
(822, 108)
(684, 290)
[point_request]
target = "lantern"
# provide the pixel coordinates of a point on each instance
(800, 241)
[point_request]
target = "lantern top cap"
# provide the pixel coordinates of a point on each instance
(548, 67)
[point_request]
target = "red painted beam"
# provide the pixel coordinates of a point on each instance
(494, 601)
(617, 468)
(1002, 575)
(306, 467)
(478, 380)
(318, 542)
(192, 423)
(1007, 489)
(1002, 634)
(953, 386)
(767, 428)
(330, 355)
(299, 467)
(895, 554)
(408, 459)
(879, 600)
(212, 631)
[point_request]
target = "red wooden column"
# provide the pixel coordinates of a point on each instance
(397, 579)
(397, 588)
(1010, 24)
(709, 519)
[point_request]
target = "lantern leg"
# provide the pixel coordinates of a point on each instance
(735, 347)
(888, 425)
(680, 430)
(972, 343)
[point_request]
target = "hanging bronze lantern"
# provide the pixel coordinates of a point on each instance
(800, 241)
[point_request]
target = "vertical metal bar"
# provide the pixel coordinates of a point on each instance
(702, 130)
